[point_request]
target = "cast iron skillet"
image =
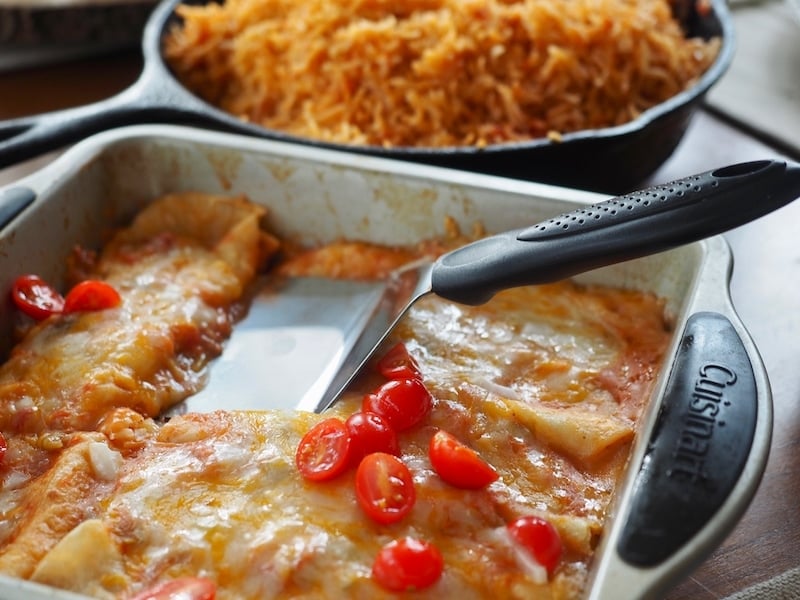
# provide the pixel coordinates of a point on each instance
(612, 159)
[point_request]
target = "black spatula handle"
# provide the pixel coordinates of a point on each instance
(622, 228)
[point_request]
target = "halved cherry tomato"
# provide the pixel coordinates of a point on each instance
(397, 363)
(91, 295)
(539, 538)
(35, 297)
(323, 452)
(407, 564)
(384, 487)
(370, 433)
(458, 464)
(182, 588)
(402, 402)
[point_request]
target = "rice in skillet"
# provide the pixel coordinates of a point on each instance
(435, 72)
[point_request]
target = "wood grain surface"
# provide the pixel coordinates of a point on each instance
(762, 87)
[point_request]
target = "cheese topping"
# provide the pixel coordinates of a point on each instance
(545, 383)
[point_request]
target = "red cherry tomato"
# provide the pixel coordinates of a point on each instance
(538, 537)
(91, 295)
(323, 452)
(407, 564)
(384, 487)
(3, 448)
(457, 464)
(182, 588)
(397, 363)
(402, 402)
(35, 297)
(370, 433)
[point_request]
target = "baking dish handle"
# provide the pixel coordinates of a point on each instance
(712, 427)
(699, 445)
(13, 200)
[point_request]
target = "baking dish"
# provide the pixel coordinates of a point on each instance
(679, 498)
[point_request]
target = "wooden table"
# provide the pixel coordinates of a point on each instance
(765, 289)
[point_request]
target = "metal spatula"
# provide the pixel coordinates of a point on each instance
(619, 229)
(301, 345)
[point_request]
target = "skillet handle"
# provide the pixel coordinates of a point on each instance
(623, 228)
(152, 98)
(28, 137)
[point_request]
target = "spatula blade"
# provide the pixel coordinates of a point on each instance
(401, 291)
(290, 346)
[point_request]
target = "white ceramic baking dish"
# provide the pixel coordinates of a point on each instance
(692, 471)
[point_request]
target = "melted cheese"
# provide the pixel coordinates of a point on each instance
(546, 383)
(149, 353)
(218, 495)
(179, 292)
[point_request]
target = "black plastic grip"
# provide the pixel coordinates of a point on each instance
(623, 228)
(700, 443)
(651, 201)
